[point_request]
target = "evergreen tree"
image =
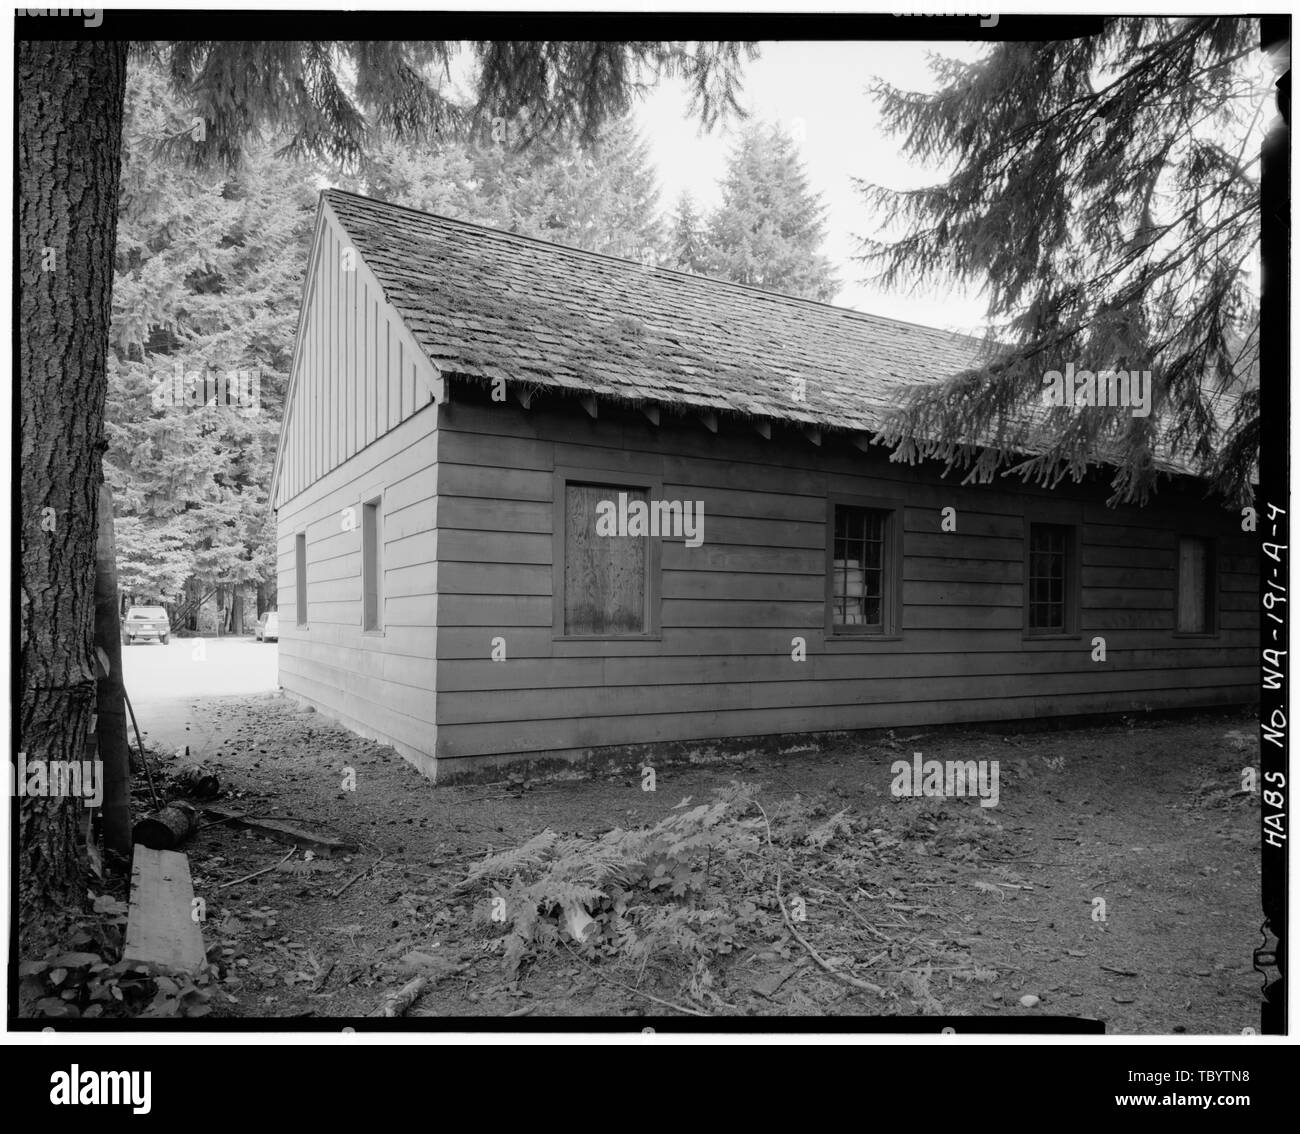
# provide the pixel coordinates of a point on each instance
(437, 177)
(208, 279)
(770, 226)
(601, 196)
(624, 189)
(1105, 194)
(686, 248)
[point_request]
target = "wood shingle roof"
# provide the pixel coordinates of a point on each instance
(487, 304)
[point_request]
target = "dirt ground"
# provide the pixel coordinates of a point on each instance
(941, 905)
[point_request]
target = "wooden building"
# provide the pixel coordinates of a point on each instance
(476, 420)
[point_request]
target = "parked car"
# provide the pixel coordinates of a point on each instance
(145, 624)
(268, 627)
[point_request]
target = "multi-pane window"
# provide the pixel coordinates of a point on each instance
(1048, 578)
(606, 577)
(300, 576)
(859, 569)
(372, 567)
(1195, 585)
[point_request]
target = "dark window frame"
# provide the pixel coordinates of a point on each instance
(1071, 593)
(374, 507)
(1212, 595)
(300, 578)
(891, 586)
(653, 600)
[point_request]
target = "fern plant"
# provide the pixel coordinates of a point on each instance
(627, 895)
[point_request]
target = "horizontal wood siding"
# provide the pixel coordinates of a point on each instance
(379, 683)
(722, 665)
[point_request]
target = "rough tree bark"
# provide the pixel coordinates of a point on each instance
(70, 107)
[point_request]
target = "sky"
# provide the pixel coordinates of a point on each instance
(817, 91)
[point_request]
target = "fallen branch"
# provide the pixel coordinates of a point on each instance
(153, 791)
(324, 845)
(431, 867)
(1029, 861)
(632, 988)
(479, 854)
(358, 877)
(765, 822)
(768, 988)
(848, 906)
(865, 986)
(399, 1003)
(241, 817)
(259, 873)
(218, 822)
(324, 977)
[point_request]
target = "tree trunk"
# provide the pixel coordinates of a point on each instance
(237, 611)
(114, 748)
(70, 109)
(191, 603)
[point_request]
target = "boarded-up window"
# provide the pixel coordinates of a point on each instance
(1195, 586)
(605, 576)
(1049, 578)
(300, 575)
(858, 569)
(372, 567)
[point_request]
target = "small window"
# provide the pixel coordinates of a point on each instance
(862, 572)
(1049, 576)
(300, 575)
(372, 567)
(1196, 585)
(606, 577)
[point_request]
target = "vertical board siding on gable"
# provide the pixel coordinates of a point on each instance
(340, 369)
(352, 320)
(731, 607)
(392, 387)
(355, 377)
(330, 367)
(338, 401)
